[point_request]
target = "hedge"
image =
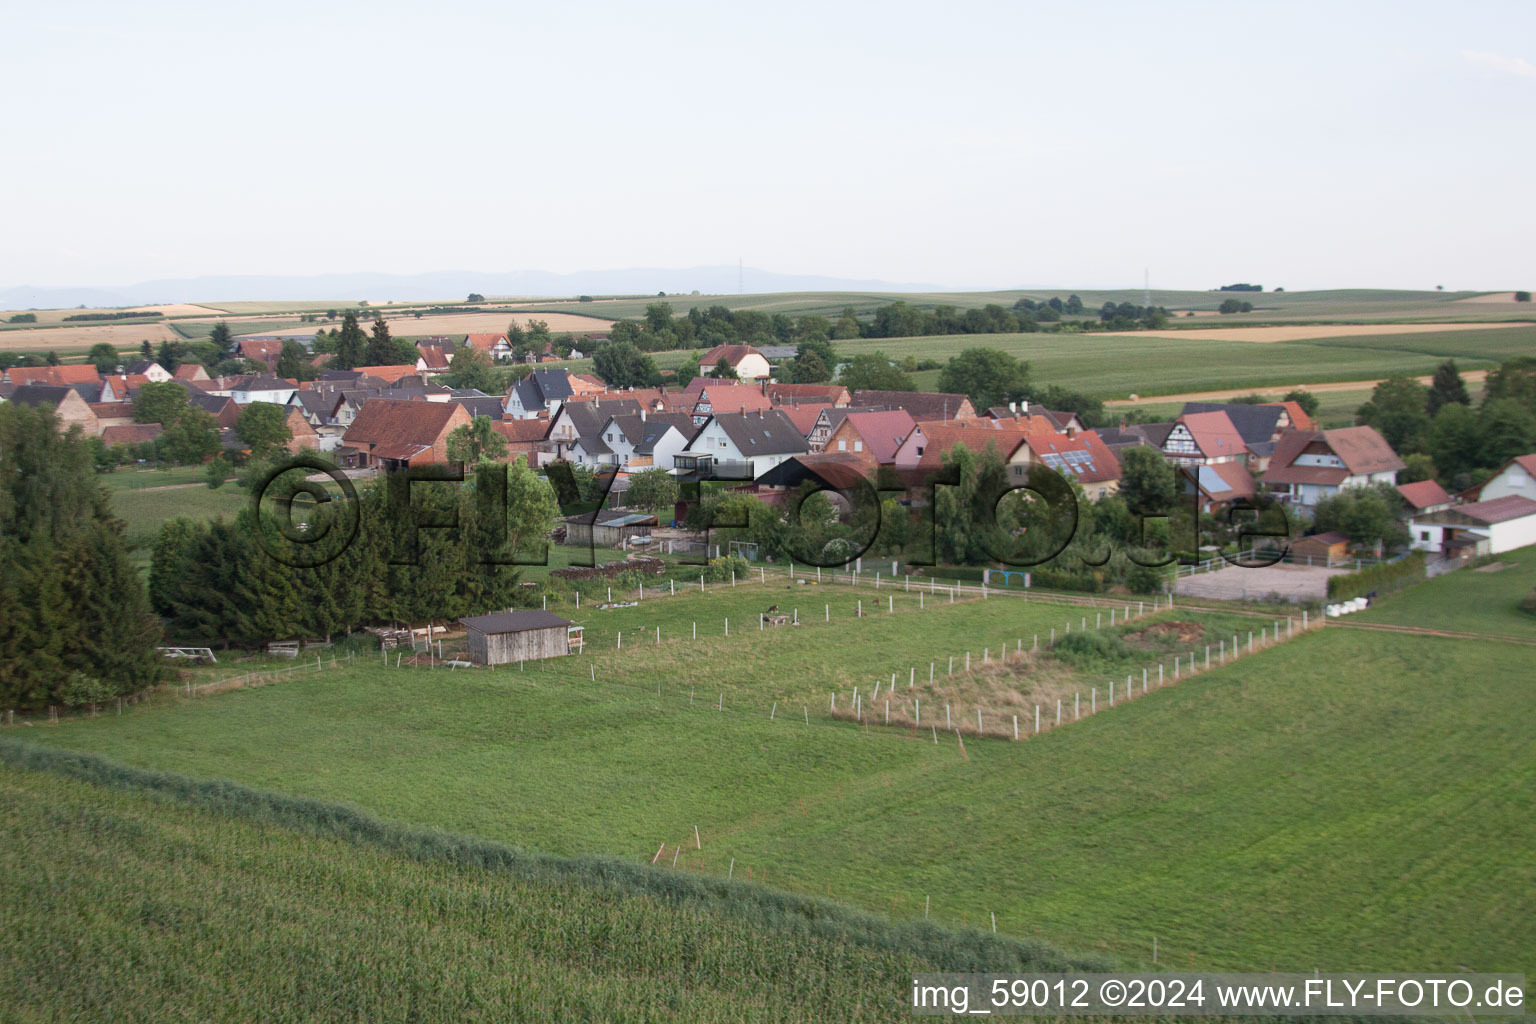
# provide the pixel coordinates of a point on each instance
(1385, 578)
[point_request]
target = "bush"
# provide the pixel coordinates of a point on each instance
(1387, 577)
(1522, 296)
(1528, 603)
(1086, 649)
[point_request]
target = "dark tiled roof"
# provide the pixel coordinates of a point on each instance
(761, 433)
(1254, 422)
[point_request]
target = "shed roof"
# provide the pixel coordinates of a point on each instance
(515, 622)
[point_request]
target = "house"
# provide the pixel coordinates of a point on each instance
(1220, 485)
(1424, 496)
(609, 528)
(509, 637)
(931, 440)
(523, 437)
(262, 350)
(1309, 466)
(1118, 439)
(492, 346)
(1063, 422)
(131, 433)
(748, 362)
(224, 410)
(431, 359)
(189, 372)
(1517, 476)
(728, 397)
(923, 405)
(541, 393)
(392, 374)
(120, 387)
(1078, 456)
(741, 445)
(111, 414)
(304, 437)
(148, 369)
(809, 394)
(393, 433)
(779, 353)
(652, 399)
(1320, 548)
(1489, 527)
(264, 389)
(1203, 438)
(1255, 423)
(318, 407)
(636, 440)
(577, 420)
(826, 422)
(66, 403)
(804, 417)
(876, 434)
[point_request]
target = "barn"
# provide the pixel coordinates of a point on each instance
(1321, 548)
(612, 527)
(506, 637)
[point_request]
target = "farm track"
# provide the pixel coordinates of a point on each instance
(1453, 634)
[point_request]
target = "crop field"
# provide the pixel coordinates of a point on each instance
(1281, 811)
(79, 337)
(473, 323)
(351, 927)
(1317, 332)
(1116, 366)
(1481, 600)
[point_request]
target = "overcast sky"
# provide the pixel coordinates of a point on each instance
(964, 143)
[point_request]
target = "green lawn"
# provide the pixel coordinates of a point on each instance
(144, 510)
(1470, 600)
(1348, 800)
(133, 905)
(125, 479)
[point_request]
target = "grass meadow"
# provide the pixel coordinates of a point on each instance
(1349, 799)
(144, 509)
(1471, 600)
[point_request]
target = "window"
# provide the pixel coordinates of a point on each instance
(858, 446)
(1423, 535)
(842, 446)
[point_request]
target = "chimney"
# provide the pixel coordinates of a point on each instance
(1013, 407)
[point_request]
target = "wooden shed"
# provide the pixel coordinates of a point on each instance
(1320, 548)
(506, 637)
(610, 528)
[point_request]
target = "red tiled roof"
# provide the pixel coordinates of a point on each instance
(34, 375)
(732, 354)
(882, 432)
(1299, 418)
(803, 416)
(1423, 494)
(727, 397)
(1363, 450)
(1102, 466)
(190, 371)
(485, 342)
(520, 431)
(393, 421)
(387, 373)
(1498, 510)
(433, 356)
(939, 437)
(797, 394)
(131, 433)
(1214, 434)
(77, 373)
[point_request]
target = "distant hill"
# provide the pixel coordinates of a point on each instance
(442, 285)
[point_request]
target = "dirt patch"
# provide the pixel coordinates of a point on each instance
(1493, 567)
(1159, 633)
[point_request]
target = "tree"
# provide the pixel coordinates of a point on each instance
(873, 372)
(1513, 378)
(988, 376)
(654, 490)
(381, 349)
(1446, 388)
(1522, 296)
(470, 369)
(1453, 440)
(724, 370)
(71, 600)
(170, 355)
(352, 344)
(222, 339)
(531, 505)
(477, 442)
(217, 472)
(162, 403)
(192, 438)
(293, 363)
(263, 428)
(1368, 516)
(1508, 429)
(474, 297)
(1149, 486)
(104, 356)
(145, 350)
(808, 368)
(1417, 466)
(1396, 409)
(622, 365)
(1307, 400)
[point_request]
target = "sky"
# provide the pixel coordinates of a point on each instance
(968, 144)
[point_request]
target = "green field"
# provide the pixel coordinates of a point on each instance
(1469, 600)
(1348, 799)
(373, 924)
(125, 479)
(143, 509)
(1116, 366)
